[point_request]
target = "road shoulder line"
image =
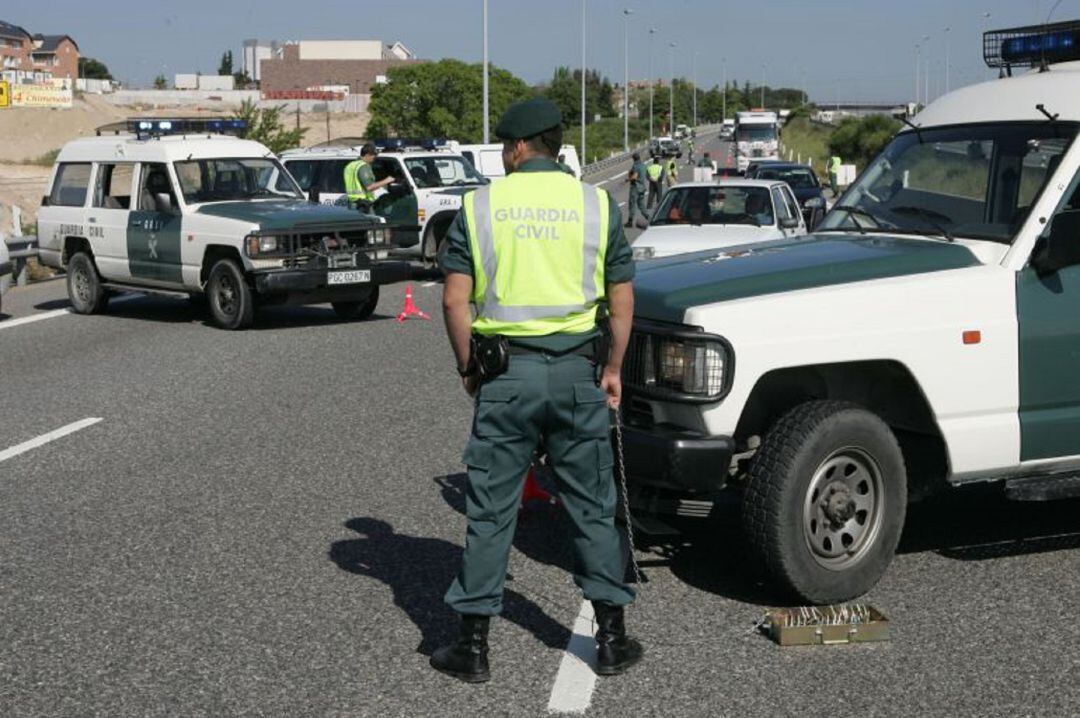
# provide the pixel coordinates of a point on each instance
(576, 679)
(46, 438)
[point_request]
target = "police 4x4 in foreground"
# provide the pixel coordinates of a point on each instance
(926, 335)
(174, 207)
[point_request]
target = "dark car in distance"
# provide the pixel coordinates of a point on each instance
(803, 182)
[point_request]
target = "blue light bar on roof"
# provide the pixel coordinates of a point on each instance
(1034, 45)
(158, 127)
(391, 144)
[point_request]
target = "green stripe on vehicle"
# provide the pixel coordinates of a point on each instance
(664, 289)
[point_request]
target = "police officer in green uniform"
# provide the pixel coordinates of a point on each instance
(536, 255)
(360, 182)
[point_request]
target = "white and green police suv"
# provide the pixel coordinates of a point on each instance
(430, 181)
(926, 335)
(179, 206)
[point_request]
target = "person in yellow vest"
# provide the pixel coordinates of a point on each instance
(672, 172)
(834, 173)
(655, 173)
(536, 255)
(360, 182)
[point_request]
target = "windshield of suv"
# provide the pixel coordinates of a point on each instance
(448, 171)
(225, 180)
(976, 181)
(797, 178)
(715, 205)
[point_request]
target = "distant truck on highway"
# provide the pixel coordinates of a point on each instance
(727, 130)
(757, 137)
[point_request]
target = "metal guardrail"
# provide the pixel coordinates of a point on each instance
(601, 165)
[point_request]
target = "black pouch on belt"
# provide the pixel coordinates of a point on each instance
(492, 355)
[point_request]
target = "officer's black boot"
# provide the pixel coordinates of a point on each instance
(615, 651)
(467, 658)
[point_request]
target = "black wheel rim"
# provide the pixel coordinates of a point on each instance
(225, 294)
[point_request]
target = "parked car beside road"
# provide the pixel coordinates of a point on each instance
(803, 182)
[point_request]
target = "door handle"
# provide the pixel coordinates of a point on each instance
(92, 220)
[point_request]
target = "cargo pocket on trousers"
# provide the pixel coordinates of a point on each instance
(496, 412)
(477, 459)
(606, 493)
(591, 419)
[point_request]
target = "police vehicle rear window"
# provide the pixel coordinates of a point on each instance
(71, 185)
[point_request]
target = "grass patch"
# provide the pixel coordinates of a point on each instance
(46, 160)
(605, 137)
(803, 137)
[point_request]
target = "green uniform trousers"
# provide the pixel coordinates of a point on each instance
(553, 399)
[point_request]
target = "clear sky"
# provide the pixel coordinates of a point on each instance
(840, 49)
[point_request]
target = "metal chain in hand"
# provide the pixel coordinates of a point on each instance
(625, 493)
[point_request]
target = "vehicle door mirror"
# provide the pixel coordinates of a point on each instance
(789, 222)
(398, 189)
(1060, 246)
(163, 203)
(313, 195)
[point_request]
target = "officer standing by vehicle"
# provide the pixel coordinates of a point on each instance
(636, 200)
(655, 173)
(834, 173)
(360, 182)
(672, 172)
(536, 255)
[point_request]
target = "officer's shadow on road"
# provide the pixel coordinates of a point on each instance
(418, 569)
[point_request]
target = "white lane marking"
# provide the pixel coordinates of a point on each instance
(576, 679)
(612, 179)
(8, 324)
(33, 318)
(622, 204)
(429, 284)
(46, 438)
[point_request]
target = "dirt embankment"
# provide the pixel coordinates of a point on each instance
(29, 137)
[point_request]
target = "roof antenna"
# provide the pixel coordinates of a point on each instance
(917, 128)
(1043, 64)
(1042, 108)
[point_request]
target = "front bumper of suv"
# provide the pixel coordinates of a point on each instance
(312, 286)
(672, 458)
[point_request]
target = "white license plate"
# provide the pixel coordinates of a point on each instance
(355, 276)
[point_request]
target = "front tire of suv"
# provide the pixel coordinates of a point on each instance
(85, 292)
(232, 303)
(355, 311)
(825, 502)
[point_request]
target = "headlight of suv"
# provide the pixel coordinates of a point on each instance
(678, 365)
(264, 244)
(644, 253)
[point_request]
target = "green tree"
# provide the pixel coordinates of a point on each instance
(564, 90)
(92, 69)
(160, 83)
(265, 125)
(860, 140)
(242, 81)
(226, 66)
(441, 99)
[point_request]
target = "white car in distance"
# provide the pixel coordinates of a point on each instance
(702, 216)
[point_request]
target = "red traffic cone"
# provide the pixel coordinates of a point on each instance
(534, 492)
(410, 309)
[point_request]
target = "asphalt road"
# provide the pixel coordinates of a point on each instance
(264, 522)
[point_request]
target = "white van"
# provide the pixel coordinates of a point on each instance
(487, 159)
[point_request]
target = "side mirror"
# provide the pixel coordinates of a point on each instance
(789, 222)
(313, 195)
(398, 189)
(163, 203)
(1059, 247)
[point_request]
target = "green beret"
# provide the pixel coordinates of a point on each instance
(528, 119)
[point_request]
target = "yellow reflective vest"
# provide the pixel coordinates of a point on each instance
(353, 187)
(538, 242)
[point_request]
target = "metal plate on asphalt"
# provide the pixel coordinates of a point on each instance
(353, 276)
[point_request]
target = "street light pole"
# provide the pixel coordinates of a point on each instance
(626, 78)
(583, 155)
(652, 83)
(926, 71)
(763, 85)
(946, 60)
(723, 100)
(487, 134)
(693, 80)
(918, 61)
(671, 94)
